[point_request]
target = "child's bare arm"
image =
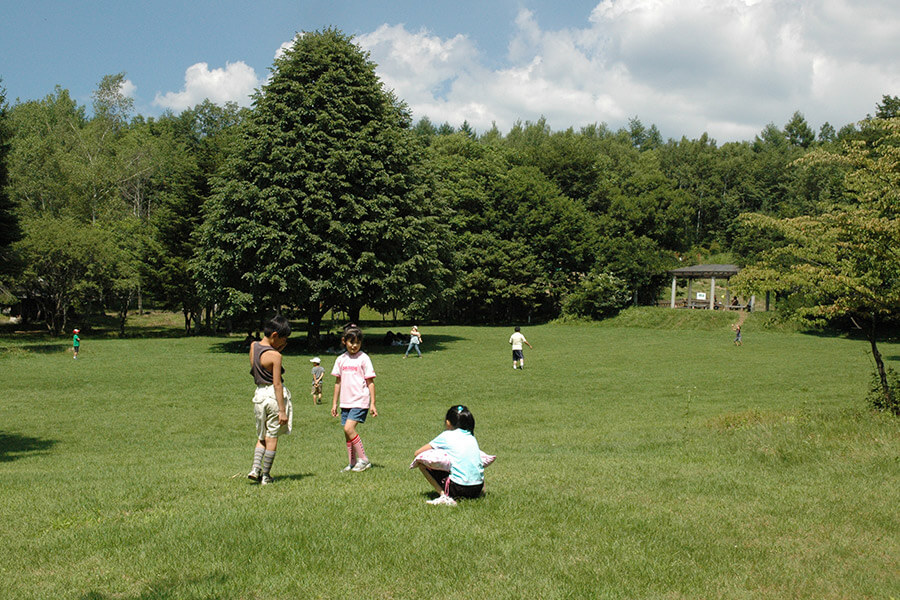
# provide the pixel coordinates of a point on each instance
(423, 449)
(370, 383)
(337, 395)
(279, 388)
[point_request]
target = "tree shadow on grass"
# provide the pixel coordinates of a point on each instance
(372, 345)
(48, 348)
(167, 588)
(13, 446)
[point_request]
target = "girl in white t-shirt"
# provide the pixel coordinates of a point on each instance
(354, 389)
(465, 479)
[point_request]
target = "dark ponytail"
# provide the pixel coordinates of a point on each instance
(459, 417)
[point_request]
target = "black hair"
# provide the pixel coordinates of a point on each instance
(517, 328)
(460, 418)
(279, 325)
(352, 334)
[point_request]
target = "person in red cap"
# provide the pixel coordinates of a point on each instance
(76, 342)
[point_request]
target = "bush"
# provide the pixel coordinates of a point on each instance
(876, 396)
(597, 296)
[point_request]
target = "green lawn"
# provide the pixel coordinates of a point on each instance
(632, 463)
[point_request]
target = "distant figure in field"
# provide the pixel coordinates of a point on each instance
(318, 373)
(517, 339)
(737, 334)
(76, 342)
(354, 389)
(415, 338)
(272, 401)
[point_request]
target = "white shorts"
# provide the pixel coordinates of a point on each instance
(265, 409)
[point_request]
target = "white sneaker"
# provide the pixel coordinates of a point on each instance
(253, 475)
(347, 469)
(266, 480)
(442, 500)
(361, 466)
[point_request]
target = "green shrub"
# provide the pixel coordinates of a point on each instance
(597, 296)
(876, 395)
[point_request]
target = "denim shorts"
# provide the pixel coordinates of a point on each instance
(354, 414)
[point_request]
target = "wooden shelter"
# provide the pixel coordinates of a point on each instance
(711, 272)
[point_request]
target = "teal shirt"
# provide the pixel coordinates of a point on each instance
(465, 456)
(76, 341)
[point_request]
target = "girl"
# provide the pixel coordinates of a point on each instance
(415, 338)
(465, 479)
(355, 389)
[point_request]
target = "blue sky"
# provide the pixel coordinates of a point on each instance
(726, 67)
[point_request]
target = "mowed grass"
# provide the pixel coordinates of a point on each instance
(632, 463)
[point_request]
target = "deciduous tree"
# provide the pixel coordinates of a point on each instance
(846, 261)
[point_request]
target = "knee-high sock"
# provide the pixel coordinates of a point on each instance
(257, 459)
(350, 455)
(358, 448)
(268, 459)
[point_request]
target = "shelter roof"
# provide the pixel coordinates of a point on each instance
(705, 271)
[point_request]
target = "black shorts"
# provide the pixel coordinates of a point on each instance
(517, 355)
(454, 490)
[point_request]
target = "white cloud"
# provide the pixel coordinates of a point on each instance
(235, 83)
(727, 67)
(128, 89)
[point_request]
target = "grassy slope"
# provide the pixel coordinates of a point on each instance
(634, 462)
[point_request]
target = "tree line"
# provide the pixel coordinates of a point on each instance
(325, 195)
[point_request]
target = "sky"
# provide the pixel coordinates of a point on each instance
(722, 67)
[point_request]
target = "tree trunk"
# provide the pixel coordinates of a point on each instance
(353, 313)
(879, 366)
(314, 315)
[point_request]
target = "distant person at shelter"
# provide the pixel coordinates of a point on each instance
(517, 339)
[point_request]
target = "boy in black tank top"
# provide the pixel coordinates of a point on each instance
(272, 401)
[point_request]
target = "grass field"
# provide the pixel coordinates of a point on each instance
(633, 462)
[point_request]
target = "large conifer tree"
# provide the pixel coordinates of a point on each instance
(322, 205)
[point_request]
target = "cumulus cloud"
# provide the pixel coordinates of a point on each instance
(128, 89)
(726, 67)
(235, 83)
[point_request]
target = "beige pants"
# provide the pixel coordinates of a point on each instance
(265, 409)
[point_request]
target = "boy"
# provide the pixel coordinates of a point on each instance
(76, 342)
(317, 374)
(517, 339)
(272, 401)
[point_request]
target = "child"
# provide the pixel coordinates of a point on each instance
(737, 334)
(272, 401)
(355, 388)
(76, 342)
(318, 373)
(465, 479)
(415, 338)
(517, 339)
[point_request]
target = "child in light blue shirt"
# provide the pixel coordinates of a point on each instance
(465, 479)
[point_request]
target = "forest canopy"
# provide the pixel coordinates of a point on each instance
(326, 195)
